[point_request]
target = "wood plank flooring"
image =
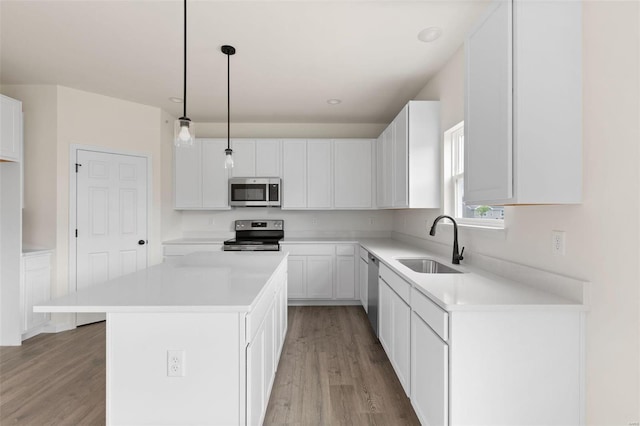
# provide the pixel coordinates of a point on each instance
(332, 372)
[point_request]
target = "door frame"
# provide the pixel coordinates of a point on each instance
(73, 212)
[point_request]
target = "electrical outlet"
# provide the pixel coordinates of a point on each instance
(212, 221)
(314, 221)
(372, 221)
(558, 242)
(176, 364)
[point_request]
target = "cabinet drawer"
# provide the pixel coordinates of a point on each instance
(398, 285)
(309, 249)
(182, 249)
(345, 250)
(432, 314)
(364, 255)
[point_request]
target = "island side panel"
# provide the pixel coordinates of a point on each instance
(139, 389)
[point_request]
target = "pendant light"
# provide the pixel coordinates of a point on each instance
(228, 160)
(184, 128)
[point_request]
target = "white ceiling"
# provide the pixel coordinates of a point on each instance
(291, 55)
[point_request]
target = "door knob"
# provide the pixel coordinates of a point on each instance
(141, 242)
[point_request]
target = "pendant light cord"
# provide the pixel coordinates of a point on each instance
(184, 98)
(228, 102)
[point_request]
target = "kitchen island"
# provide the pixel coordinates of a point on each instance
(192, 341)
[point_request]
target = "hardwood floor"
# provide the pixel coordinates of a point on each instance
(332, 372)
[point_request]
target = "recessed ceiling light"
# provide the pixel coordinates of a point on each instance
(175, 100)
(334, 101)
(430, 34)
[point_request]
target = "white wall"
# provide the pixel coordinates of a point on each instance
(602, 232)
(89, 119)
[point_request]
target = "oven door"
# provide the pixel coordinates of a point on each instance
(254, 192)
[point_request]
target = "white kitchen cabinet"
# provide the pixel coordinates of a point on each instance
(294, 174)
(319, 174)
(297, 280)
(429, 374)
(36, 289)
(364, 284)
(409, 158)
(353, 161)
(244, 157)
(394, 318)
(322, 271)
(264, 349)
(346, 272)
(523, 104)
(215, 178)
(10, 129)
(256, 157)
(319, 277)
(200, 179)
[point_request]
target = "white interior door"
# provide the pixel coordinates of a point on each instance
(111, 219)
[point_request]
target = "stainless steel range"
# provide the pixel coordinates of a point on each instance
(256, 235)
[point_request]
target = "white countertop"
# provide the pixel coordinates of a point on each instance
(199, 282)
(474, 289)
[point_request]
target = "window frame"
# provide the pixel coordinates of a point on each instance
(451, 164)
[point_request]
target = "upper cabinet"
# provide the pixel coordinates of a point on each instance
(321, 174)
(256, 158)
(353, 162)
(409, 158)
(523, 104)
(10, 129)
(201, 181)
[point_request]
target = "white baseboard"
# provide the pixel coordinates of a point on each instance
(58, 327)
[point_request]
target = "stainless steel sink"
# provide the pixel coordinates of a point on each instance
(427, 266)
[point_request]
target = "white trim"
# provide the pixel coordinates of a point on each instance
(73, 154)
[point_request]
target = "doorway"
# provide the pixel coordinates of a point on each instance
(111, 219)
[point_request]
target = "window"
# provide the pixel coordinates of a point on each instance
(454, 185)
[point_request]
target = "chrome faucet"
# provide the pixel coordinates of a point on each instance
(457, 257)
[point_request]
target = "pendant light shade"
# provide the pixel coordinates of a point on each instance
(228, 153)
(184, 128)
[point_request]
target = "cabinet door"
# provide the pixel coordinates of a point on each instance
(429, 374)
(244, 157)
(294, 174)
(319, 277)
(10, 128)
(215, 178)
(488, 107)
(385, 317)
(401, 159)
(364, 284)
(188, 176)
(297, 277)
(269, 353)
(401, 340)
(255, 378)
(352, 173)
(37, 289)
(345, 277)
(268, 158)
(387, 166)
(380, 171)
(319, 187)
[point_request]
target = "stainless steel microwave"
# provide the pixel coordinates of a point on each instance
(254, 192)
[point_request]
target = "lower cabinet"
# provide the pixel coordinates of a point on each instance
(482, 366)
(429, 373)
(36, 289)
(394, 325)
(322, 271)
(264, 349)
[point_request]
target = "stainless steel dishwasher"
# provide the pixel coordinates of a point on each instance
(373, 292)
